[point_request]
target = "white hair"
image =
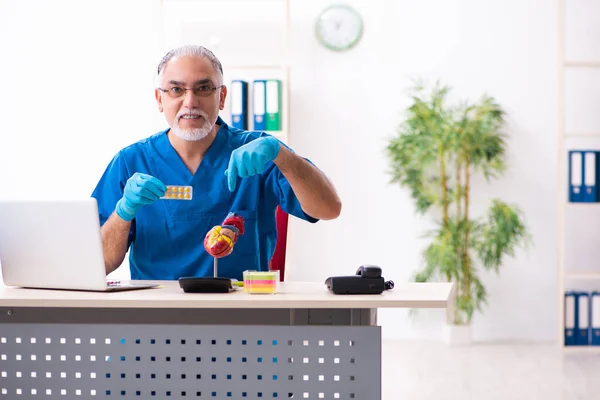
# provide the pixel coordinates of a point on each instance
(190, 50)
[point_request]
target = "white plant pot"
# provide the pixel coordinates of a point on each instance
(457, 335)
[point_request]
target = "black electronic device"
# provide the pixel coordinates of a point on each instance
(367, 280)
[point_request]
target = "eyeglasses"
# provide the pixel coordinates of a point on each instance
(201, 91)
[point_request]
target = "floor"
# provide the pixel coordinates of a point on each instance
(433, 371)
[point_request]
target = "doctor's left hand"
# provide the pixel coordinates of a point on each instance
(251, 159)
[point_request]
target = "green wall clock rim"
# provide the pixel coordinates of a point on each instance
(351, 44)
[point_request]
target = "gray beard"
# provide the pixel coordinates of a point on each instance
(191, 135)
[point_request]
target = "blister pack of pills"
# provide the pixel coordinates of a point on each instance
(178, 193)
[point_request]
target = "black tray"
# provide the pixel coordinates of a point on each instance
(205, 285)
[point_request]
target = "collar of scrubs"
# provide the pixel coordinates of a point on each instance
(214, 152)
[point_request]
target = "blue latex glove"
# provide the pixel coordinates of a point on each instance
(140, 190)
(251, 159)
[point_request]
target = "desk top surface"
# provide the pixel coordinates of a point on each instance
(291, 295)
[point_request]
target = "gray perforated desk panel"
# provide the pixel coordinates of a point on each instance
(59, 344)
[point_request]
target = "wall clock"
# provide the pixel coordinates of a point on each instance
(338, 27)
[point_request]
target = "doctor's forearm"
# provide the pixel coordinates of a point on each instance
(314, 191)
(115, 233)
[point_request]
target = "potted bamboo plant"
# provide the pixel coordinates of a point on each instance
(435, 154)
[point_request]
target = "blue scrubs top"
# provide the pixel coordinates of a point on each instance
(167, 237)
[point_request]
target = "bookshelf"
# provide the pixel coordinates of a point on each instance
(578, 129)
(581, 275)
(249, 74)
(582, 64)
(250, 38)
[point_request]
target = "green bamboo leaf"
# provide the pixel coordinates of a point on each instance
(502, 232)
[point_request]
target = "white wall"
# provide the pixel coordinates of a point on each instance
(76, 71)
(77, 87)
(346, 106)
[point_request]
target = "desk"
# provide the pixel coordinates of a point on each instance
(303, 343)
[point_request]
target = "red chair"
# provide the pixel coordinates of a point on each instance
(277, 262)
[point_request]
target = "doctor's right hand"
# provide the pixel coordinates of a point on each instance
(140, 190)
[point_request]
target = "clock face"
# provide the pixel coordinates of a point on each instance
(338, 28)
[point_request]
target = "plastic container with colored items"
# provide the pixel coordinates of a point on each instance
(265, 282)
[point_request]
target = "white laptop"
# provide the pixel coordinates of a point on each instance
(54, 244)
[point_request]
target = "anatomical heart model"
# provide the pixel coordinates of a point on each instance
(219, 241)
